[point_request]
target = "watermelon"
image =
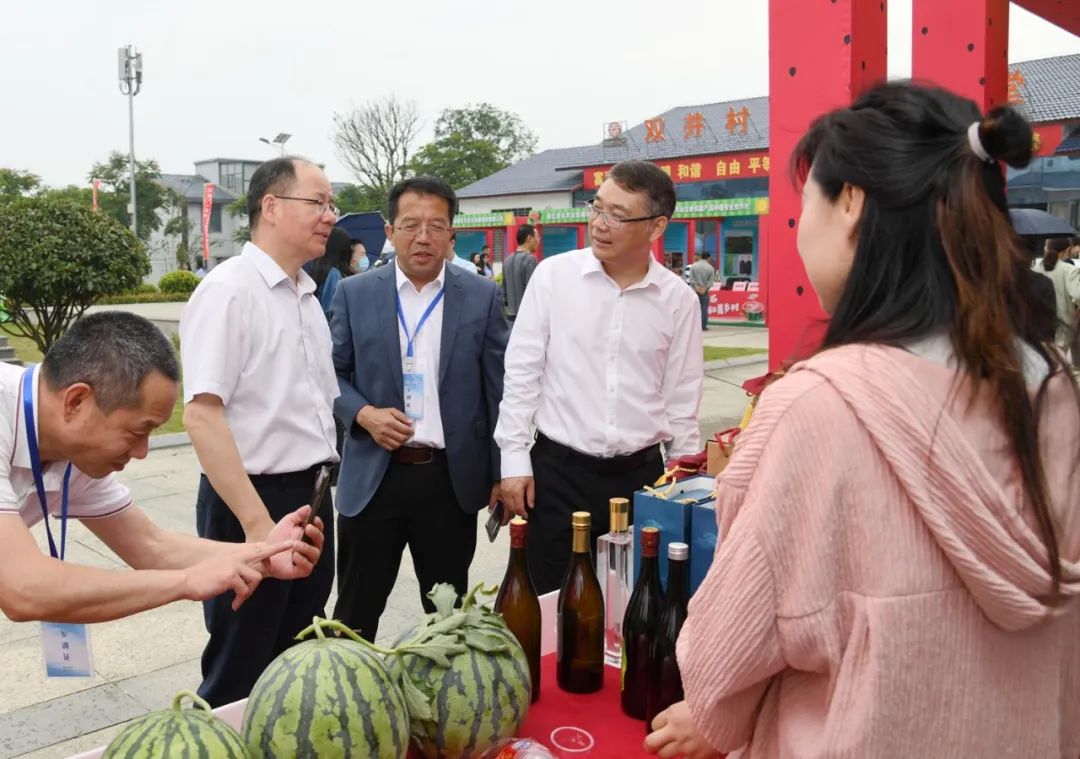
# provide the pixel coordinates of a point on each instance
(180, 733)
(327, 697)
(465, 678)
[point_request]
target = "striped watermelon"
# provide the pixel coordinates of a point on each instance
(180, 733)
(465, 678)
(327, 697)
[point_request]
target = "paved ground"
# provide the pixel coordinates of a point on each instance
(142, 661)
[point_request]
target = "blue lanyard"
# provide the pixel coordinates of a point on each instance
(401, 317)
(35, 466)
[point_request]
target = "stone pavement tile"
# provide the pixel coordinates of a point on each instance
(63, 718)
(155, 690)
(149, 641)
(84, 742)
(10, 632)
(24, 682)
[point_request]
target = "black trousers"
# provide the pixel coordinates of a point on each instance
(414, 506)
(243, 642)
(567, 481)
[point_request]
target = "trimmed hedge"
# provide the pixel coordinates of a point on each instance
(145, 287)
(119, 300)
(179, 282)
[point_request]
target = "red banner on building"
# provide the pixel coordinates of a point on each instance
(207, 206)
(96, 184)
(706, 168)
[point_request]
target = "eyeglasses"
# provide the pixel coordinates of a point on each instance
(613, 221)
(413, 228)
(322, 206)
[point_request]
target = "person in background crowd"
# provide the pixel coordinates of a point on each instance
(1056, 266)
(701, 276)
(485, 262)
(329, 269)
(360, 261)
(899, 568)
(518, 269)
(454, 258)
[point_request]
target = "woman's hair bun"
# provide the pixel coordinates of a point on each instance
(1007, 136)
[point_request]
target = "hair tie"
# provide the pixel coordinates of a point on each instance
(976, 144)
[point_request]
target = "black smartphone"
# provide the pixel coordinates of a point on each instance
(322, 484)
(494, 522)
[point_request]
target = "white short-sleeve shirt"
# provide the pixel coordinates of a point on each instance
(260, 342)
(88, 498)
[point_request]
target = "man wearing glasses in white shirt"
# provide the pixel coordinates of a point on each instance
(259, 386)
(605, 364)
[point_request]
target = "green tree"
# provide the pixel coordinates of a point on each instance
(357, 199)
(15, 183)
(238, 209)
(73, 193)
(57, 259)
(474, 142)
(115, 193)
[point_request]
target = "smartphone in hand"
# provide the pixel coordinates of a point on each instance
(322, 484)
(494, 522)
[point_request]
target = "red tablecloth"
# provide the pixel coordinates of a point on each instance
(617, 736)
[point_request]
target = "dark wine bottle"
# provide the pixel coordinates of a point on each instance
(518, 604)
(580, 658)
(639, 624)
(665, 682)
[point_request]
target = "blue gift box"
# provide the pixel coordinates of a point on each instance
(703, 537)
(669, 508)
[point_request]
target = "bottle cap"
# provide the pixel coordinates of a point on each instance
(620, 514)
(581, 519)
(650, 541)
(518, 526)
(678, 551)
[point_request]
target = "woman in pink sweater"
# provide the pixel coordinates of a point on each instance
(898, 572)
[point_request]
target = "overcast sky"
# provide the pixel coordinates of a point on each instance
(221, 74)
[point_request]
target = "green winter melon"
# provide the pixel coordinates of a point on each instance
(466, 679)
(327, 698)
(178, 733)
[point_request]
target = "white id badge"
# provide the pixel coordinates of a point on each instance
(414, 395)
(67, 649)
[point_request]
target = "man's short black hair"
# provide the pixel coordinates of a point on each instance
(524, 232)
(276, 176)
(112, 352)
(642, 176)
(485, 247)
(422, 185)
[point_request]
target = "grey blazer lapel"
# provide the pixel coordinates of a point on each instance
(388, 325)
(452, 305)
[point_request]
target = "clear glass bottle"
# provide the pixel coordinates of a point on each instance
(614, 562)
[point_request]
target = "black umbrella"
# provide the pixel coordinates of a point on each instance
(1032, 221)
(368, 228)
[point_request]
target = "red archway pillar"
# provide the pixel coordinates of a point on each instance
(822, 54)
(964, 47)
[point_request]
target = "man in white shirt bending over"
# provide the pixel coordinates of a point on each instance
(69, 425)
(605, 363)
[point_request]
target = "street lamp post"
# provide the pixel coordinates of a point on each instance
(280, 141)
(130, 70)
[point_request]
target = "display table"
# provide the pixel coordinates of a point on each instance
(599, 714)
(615, 735)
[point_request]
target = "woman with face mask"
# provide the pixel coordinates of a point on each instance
(898, 568)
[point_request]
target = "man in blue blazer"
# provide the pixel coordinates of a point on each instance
(418, 351)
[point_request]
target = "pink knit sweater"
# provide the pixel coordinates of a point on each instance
(878, 588)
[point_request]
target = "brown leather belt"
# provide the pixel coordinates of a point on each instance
(421, 454)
